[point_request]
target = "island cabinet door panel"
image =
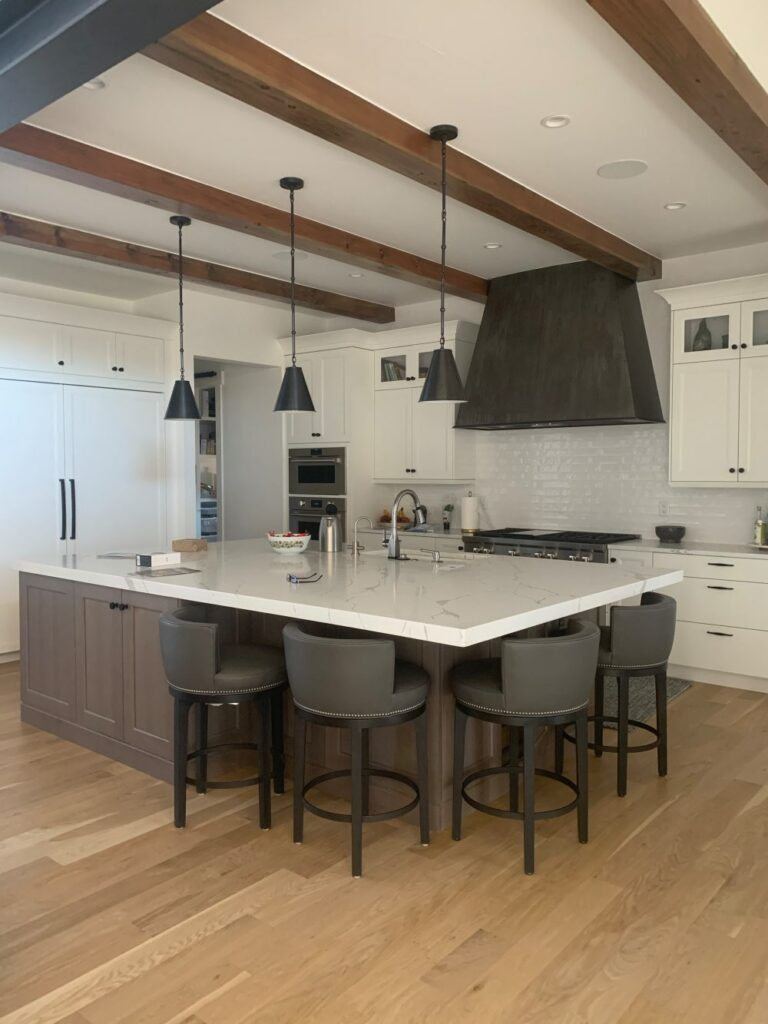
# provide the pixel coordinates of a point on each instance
(99, 640)
(753, 425)
(704, 430)
(148, 705)
(48, 645)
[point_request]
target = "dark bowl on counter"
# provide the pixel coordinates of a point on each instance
(669, 534)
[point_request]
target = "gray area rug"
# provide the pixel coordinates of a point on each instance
(642, 697)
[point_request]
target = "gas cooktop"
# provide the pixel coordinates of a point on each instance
(559, 536)
(575, 545)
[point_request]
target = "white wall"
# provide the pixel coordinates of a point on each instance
(609, 478)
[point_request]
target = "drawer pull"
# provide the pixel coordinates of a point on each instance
(724, 565)
(714, 632)
(713, 587)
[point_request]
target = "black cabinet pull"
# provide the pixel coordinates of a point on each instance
(734, 346)
(122, 607)
(743, 344)
(61, 362)
(73, 533)
(722, 565)
(715, 632)
(732, 469)
(741, 469)
(114, 369)
(713, 587)
(113, 605)
(62, 485)
(120, 369)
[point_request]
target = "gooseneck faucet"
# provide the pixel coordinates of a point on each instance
(393, 547)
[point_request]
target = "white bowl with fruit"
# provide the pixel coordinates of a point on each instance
(288, 543)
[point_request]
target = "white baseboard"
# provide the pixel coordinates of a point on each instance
(703, 675)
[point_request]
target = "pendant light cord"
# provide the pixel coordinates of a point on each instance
(443, 187)
(293, 285)
(181, 307)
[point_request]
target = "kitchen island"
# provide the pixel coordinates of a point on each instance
(91, 668)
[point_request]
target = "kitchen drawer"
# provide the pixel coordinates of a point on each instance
(729, 603)
(721, 649)
(716, 567)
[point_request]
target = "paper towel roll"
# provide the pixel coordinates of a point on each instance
(469, 513)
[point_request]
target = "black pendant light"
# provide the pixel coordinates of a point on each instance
(443, 383)
(182, 405)
(294, 394)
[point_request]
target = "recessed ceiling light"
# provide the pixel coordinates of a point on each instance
(356, 273)
(555, 121)
(95, 83)
(675, 206)
(493, 245)
(285, 255)
(623, 169)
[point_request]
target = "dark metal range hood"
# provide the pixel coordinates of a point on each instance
(561, 347)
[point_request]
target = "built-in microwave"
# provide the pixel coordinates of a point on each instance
(319, 471)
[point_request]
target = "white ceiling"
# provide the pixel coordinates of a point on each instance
(494, 68)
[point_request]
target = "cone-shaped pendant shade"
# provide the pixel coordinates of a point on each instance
(294, 394)
(182, 405)
(443, 383)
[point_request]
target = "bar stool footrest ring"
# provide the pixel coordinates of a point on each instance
(636, 748)
(232, 783)
(345, 773)
(499, 812)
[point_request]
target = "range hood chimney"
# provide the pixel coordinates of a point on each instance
(561, 347)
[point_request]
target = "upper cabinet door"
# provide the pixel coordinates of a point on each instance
(28, 344)
(330, 397)
(754, 328)
(753, 423)
(704, 429)
(88, 352)
(392, 453)
(432, 443)
(140, 358)
(706, 333)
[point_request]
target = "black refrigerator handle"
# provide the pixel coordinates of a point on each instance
(63, 535)
(73, 533)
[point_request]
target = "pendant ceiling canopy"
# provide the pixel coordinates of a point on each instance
(182, 405)
(443, 383)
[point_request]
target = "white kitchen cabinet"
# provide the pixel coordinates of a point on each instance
(416, 441)
(706, 333)
(407, 366)
(85, 474)
(704, 423)
(28, 345)
(87, 352)
(754, 328)
(327, 377)
(753, 422)
(139, 357)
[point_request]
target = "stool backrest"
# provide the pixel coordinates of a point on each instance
(546, 675)
(189, 646)
(643, 634)
(343, 677)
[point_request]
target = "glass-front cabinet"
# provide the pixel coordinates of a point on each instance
(708, 332)
(754, 328)
(406, 367)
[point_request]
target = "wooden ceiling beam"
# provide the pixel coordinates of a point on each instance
(35, 234)
(215, 53)
(684, 46)
(60, 157)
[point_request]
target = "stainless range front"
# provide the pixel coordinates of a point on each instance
(561, 545)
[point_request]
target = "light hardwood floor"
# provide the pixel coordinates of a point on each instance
(109, 915)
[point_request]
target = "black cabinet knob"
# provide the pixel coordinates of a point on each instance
(113, 605)
(741, 469)
(612, 559)
(734, 346)
(743, 344)
(61, 362)
(732, 470)
(120, 369)
(122, 607)
(114, 368)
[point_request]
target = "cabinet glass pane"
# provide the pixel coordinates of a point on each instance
(392, 368)
(702, 334)
(425, 358)
(760, 327)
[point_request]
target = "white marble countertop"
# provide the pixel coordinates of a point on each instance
(458, 602)
(693, 547)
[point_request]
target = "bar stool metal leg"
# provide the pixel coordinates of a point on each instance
(299, 752)
(180, 727)
(278, 750)
(357, 801)
(366, 756)
(559, 749)
(514, 764)
(265, 787)
(582, 783)
(623, 733)
(599, 712)
(423, 777)
(529, 799)
(201, 784)
(459, 736)
(661, 720)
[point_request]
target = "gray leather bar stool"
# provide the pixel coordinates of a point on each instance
(537, 682)
(202, 671)
(637, 642)
(356, 685)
